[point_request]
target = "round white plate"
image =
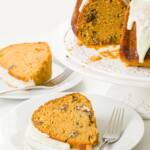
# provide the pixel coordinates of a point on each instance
(14, 125)
(70, 82)
(64, 44)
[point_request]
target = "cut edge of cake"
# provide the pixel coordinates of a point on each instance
(78, 16)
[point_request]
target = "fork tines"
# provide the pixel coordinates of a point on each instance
(115, 125)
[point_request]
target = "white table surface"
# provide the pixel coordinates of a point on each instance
(22, 18)
(91, 86)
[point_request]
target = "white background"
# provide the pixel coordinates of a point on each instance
(19, 19)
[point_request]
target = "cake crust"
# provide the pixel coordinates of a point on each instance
(75, 16)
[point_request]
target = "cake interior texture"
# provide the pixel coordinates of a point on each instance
(28, 61)
(68, 119)
(100, 22)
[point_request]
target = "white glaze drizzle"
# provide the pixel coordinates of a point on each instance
(140, 14)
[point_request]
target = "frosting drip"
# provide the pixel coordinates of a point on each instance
(140, 14)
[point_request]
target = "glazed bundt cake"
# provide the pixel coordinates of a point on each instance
(68, 119)
(135, 42)
(99, 22)
(28, 61)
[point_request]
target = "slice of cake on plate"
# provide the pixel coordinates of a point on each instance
(135, 43)
(69, 119)
(98, 23)
(28, 61)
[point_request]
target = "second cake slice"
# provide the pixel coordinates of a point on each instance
(28, 61)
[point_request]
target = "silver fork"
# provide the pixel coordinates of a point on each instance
(57, 80)
(115, 127)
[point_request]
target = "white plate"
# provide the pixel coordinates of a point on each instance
(70, 82)
(13, 126)
(108, 70)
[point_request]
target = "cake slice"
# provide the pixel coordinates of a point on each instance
(28, 61)
(138, 34)
(68, 119)
(99, 22)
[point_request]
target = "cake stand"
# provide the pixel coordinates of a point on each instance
(129, 85)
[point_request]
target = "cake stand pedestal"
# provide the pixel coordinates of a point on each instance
(136, 97)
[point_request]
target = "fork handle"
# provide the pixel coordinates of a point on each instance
(102, 145)
(23, 89)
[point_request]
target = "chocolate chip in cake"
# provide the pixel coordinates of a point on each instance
(74, 98)
(91, 15)
(77, 123)
(91, 117)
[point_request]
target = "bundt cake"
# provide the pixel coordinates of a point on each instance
(28, 61)
(68, 119)
(135, 41)
(98, 23)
